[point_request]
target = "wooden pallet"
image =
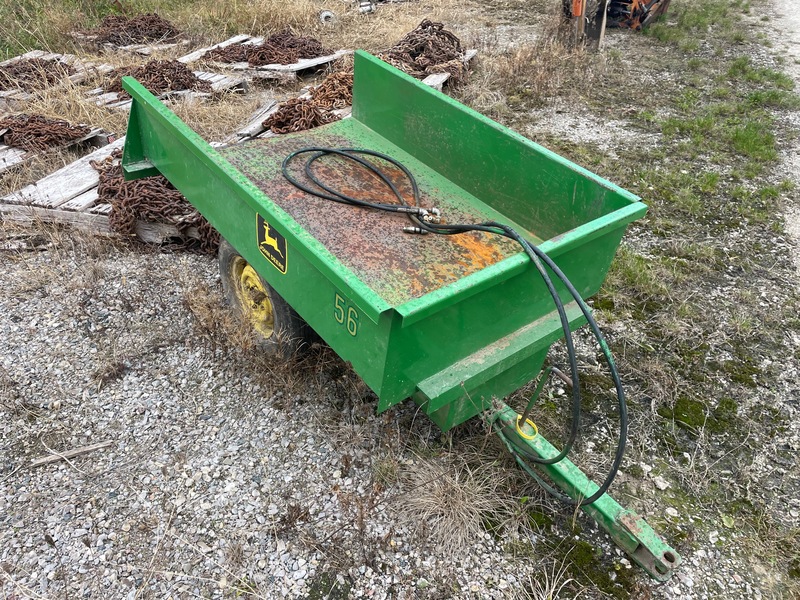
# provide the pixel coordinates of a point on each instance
(12, 157)
(66, 188)
(142, 49)
(83, 69)
(69, 197)
(219, 83)
(276, 71)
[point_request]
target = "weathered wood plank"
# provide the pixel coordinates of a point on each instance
(437, 80)
(239, 66)
(254, 126)
(282, 77)
(82, 68)
(100, 209)
(255, 41)
(122, 104)
(198, 54)
(148, 49)
(233, 84)
(66, 183)
(304, 63)
(10, 157)
(80, 220)
(16, 94)
(158, 233)
(33, 54)
(81, 202)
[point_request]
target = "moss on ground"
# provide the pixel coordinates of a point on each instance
(614, 580)
(326, 586)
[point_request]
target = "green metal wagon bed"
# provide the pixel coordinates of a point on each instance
(454, 322)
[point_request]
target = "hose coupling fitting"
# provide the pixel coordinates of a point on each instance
(432, 216)
(414, 230)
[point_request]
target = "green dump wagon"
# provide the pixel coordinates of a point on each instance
(454, 322)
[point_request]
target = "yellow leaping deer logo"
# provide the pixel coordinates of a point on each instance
(269, 241)
(271, 244)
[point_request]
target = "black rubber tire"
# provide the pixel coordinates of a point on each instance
(290, 333)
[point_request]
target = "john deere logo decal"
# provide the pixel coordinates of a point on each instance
(271, 243)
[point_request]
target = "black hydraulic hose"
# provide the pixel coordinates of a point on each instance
(418, 216)
(351, 154)
(447, 229)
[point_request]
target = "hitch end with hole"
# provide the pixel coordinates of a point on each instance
(629, 531)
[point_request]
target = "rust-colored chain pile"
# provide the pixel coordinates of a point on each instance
(299, 114)
(33, 74)
(151, 199)
(38, 133)
(282, 48)
(335, 92)
(428, 48)
(121, 31)
(159, 76)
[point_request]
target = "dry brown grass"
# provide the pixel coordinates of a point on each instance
(46, 23)
(449, 501)
(526, 75)
(215, 119)
(69, 101)
(208, 20)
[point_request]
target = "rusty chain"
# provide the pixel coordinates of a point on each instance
(282, 48)
(299, 114)
(38, 133)
(121, 31)
(33, 74)
(159, 76)
(335, 92)
(428, 48)
(151, 199)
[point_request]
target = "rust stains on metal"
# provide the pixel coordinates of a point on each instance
(398, 266)
(631, 522)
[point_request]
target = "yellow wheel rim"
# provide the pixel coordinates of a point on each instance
(254, 299)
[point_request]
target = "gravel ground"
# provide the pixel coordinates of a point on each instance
(216, 482)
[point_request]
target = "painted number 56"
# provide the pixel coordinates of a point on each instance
(345, 315)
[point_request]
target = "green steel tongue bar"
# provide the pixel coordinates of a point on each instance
(385, 300)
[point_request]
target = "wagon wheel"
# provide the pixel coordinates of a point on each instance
(276, 325)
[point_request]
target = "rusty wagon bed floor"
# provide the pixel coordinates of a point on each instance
(399, 267)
